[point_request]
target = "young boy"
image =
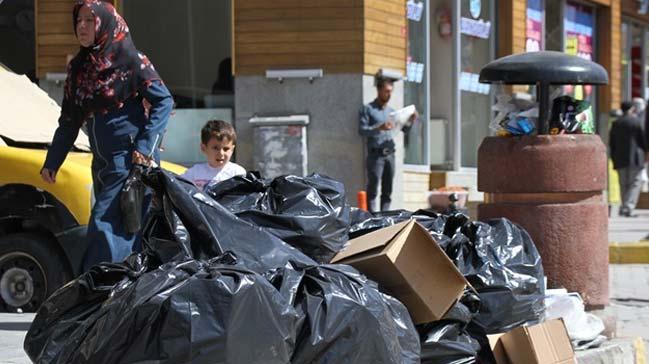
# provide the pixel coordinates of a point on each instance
(218, 140)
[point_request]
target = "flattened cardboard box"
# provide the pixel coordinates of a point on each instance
(546, 343)
(405, 260)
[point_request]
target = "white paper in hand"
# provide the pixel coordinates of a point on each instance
(401, 117)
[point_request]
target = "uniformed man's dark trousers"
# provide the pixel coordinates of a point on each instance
(380, 167)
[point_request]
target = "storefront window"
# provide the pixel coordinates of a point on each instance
(477, 49)
(636, 63)
(534, 41)
(646, 64)
(189, 41)
(579, 40)
(626, 69)
(415, 81)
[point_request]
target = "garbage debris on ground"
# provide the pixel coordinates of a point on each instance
(518, 114)
(212, 288)
(310, 213)
(216, 272)
(545, 343)
(584, 329)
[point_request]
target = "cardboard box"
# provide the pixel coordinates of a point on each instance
(546, 343)
(406, 261)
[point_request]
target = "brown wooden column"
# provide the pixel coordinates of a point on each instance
(609, 34)
(511, 27)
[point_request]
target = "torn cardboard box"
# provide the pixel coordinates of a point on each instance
(406, 261)
(546, 343)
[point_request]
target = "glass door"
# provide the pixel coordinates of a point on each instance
(477, 43)
(416, 81)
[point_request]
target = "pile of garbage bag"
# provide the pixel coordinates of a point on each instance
(210, 287)
(238, 273)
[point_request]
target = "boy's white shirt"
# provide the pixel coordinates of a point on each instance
(202, 174)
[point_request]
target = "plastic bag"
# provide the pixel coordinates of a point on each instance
(346, 318)
(310, 213)
(501, 262)
(581, 326)
(131, 200)
(447, 341)
(515, 116)
(566, 115)
(206, 229)
(186, 312)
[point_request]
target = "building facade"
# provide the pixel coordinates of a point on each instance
(215, 56)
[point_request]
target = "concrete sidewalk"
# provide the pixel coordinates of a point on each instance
(627, 236)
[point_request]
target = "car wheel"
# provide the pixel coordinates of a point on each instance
(31, 269)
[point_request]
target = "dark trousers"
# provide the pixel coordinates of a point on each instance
(379, 168)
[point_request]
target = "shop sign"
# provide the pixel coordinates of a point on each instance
(579, 31)
(470, 82)
(579, 24)
(414, 72)
(415, 10)
(475, 28)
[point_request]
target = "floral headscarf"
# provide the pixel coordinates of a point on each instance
(101, 77)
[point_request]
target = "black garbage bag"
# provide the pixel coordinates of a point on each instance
(186, 312)
(131, 200)
(310, 213)
(364, 222)
(501, 262)
(564, 114)
(59, 318)
(346, 318)
(205, 229)
(447, 340)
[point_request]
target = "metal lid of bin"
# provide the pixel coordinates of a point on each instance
(548, 67)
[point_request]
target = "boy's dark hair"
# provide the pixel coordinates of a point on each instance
(218, 129)
(626, 106)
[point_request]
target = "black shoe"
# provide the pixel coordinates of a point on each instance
(628, 214)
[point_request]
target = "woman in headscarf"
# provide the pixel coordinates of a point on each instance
(105, 87)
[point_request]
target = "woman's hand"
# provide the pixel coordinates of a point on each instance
(48, 175)
(139, 158)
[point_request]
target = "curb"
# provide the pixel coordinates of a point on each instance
(629, 253)
(640, 351)
(615, 351)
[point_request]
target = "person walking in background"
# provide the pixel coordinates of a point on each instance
(628, 148)
(107, 83)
